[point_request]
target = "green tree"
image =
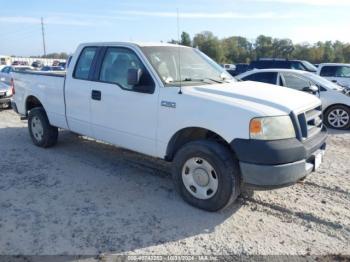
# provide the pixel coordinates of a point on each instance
(237, 49)
(186, 39)
(210, 45)
(282, 47)
(264, 46)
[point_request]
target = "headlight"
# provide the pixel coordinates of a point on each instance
(271, 128)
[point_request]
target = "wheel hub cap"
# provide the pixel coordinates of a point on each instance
(37, 128)
(200, 178)
(338, 118)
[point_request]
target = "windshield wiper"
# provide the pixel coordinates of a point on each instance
(203, 80)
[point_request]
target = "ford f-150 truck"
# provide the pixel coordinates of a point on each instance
(175, 103)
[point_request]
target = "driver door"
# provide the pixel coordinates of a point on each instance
(123, 114)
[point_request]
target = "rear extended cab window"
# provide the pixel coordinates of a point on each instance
(83, 66)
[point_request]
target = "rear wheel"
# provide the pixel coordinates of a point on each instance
(206, 175)
(338, 117)
(40, 130)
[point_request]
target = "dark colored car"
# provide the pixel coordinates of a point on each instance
(37, 64)
(22, 63)
(52, 68)
(267, 63)
(62, 64)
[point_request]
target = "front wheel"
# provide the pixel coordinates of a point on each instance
(206, 175)
(338, 117)
(40, 130)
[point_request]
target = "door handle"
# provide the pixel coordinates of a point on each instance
(96, 95)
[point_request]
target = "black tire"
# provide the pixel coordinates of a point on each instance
(50, 133)
(332, 109)
(226, 168)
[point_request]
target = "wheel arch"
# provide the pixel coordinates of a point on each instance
(333, 105)
(188, 134)
(32, 102)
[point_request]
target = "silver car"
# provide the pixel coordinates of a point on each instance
(6, 93)
(335, 99)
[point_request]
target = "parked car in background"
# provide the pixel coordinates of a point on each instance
(265, 63)
(19, 63)
(52, 68)
(55, 63)
(62, 64)
(6, 93)
(126, 93)
(37, 64)
(6, 72)
(335, 99)
(228, 66)
(337, 73)
(240, 68)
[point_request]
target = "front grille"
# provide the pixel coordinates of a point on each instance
(310, 122)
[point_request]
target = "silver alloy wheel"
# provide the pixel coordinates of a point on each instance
(37, 128)
(338, 118)
(200, 178)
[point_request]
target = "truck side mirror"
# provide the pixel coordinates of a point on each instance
(134, 76)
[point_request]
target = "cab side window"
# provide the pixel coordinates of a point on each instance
(328, 71)
(82, 69)
(335, 71)
(295, 82)
(115, 67)
(343, 71)
(267, 77)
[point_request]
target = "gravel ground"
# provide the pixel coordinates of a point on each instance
(84, 197)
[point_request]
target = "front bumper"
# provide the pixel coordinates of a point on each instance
(5, 100)
(278, 163)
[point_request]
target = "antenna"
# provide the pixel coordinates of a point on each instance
(43, 34)
(179, 49)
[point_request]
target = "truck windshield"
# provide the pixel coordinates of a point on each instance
(186, 65)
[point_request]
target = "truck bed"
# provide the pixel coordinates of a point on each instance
(48, 87)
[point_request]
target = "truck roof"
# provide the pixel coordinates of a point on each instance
(139, 44)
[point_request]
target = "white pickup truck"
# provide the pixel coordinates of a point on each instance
(175, 103)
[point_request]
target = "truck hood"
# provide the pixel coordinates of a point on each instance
(262, 99)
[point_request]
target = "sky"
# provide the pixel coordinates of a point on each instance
(70, 22)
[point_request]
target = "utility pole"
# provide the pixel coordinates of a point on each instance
(43, 34)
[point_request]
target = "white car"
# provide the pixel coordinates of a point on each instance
(6, 72)
(335, 99)
(217, 132)
(335, 72)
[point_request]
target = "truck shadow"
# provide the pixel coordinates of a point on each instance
(84, 197)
